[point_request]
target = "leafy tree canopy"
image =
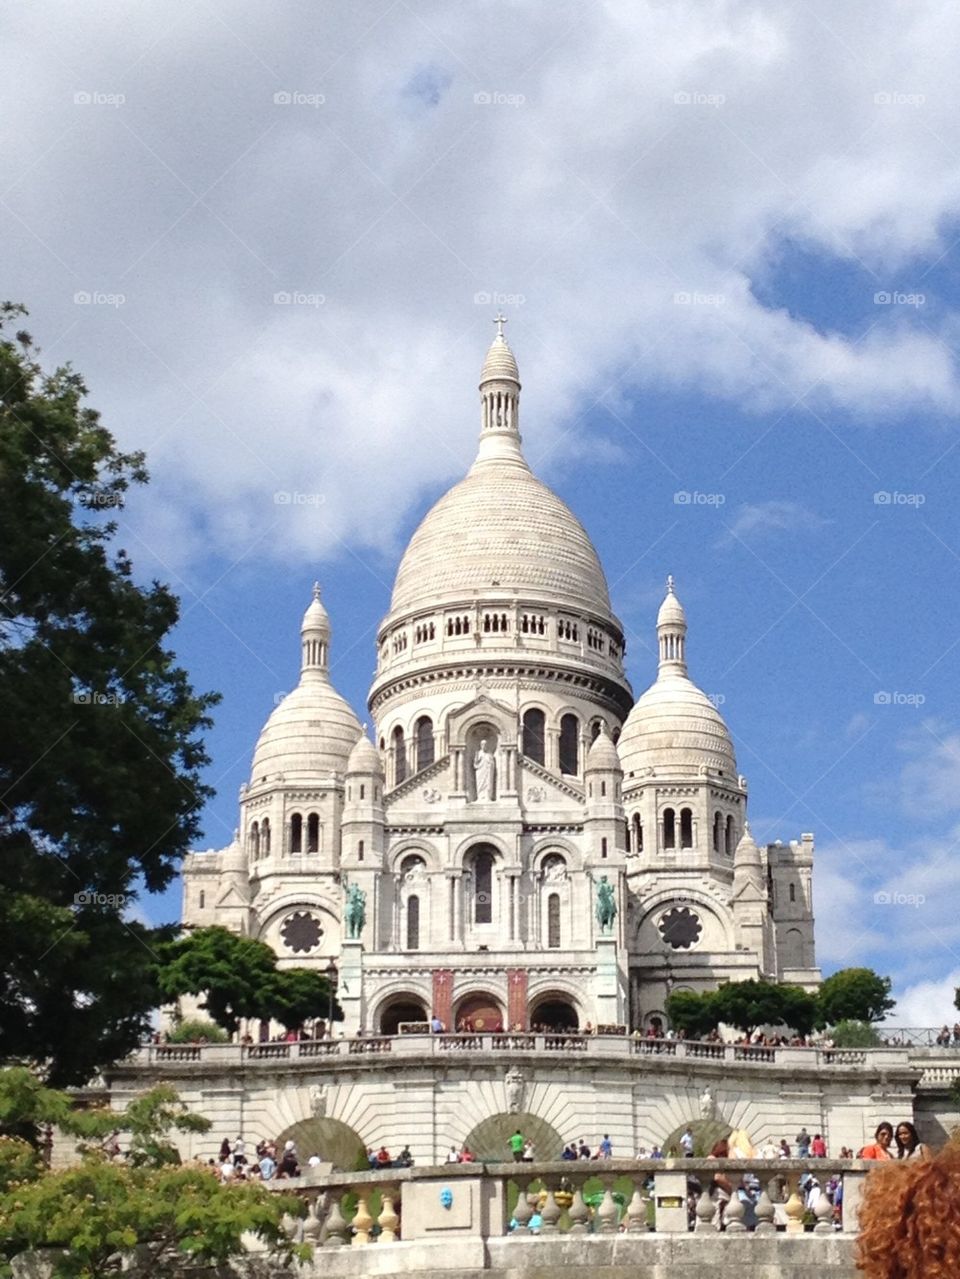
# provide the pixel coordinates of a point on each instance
(198, 1030)
(101, 753)
(238, 978)
(749, 1004)
(854, 994)
(691, 1012)
(855, 1034)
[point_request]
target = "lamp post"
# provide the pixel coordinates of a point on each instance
(331, 976)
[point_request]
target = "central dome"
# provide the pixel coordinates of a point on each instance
(500, 529)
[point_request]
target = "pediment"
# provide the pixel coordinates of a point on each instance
(483, 707)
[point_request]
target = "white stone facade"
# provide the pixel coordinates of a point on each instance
(511, 786)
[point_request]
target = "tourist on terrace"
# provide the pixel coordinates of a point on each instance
(784, 1151)
(605, 1149)
(569, 1152)
(803, 1144)
(583, 1150)
(467, 1156)
(405, 1159)
(880, 1147)
(268, 1167)
(383, 1158)
(656, 1152)
(818, 1147)
(436, 1025)
(527, 1156)
(516, 1146)
(943, 1039)
(909, 1145)
(687, 1142)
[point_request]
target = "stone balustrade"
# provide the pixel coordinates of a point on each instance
(506, 1045)
(575, 1198)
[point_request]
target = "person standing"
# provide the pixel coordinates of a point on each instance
(803, 1144)
(606, 1147)
(516, 1146)
(687, 1143)
(818, 1147)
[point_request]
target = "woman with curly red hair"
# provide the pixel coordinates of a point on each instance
(909, 1228)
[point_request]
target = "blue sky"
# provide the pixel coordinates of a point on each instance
(724, 239)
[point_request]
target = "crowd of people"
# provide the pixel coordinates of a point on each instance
(233, 1165)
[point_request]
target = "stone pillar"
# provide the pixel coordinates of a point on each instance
(608, 987)
(350, 986)
(516, 998)
(443, 996)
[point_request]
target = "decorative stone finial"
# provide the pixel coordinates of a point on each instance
(316, 591)
(500, 320)
(669, 583)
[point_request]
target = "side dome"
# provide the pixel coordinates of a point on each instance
(313, 730)
(365, 758)
(674, 727)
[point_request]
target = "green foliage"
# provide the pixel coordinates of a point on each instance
(100, 757)
(172, 1216)
(150, 1118)
(749, 1004)
(691, 1012)
(854, 994)
(19, 1162)
(238, 978)
(195, 1029)
(27, 1105)
(855, 1034)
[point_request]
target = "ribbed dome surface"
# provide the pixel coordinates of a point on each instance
(500, 529)
(500, 363)
(675, 728)
(311, 732)
(603, 754)
(364, 758)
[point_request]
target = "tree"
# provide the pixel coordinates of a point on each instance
(855, 1034)
(94, 1216)
(749, 1004)
(198, 1030)
(691, 1012)
(238, 979)
(101, 756)
(854, 994)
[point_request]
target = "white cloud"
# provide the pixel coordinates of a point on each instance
(927, 1003)
(628, 186)
(758, 518)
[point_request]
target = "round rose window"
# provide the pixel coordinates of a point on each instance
(301, 932)
(680, 927)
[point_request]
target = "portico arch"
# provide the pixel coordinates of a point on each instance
(480, 1011)
(490, 1139)
(334, 1141)
(556, 1011)
(403, 1007)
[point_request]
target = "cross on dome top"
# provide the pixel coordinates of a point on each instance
(500, 320)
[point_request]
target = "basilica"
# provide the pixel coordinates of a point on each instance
(519, 842)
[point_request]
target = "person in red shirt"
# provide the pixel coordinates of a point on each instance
(383, 1157)
(818, 1147)
(467, 1156)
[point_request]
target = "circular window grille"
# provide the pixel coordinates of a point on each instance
(680, 927)
(301, 932)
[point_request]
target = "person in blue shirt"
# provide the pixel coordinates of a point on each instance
(268, 1168)
(606, 1147)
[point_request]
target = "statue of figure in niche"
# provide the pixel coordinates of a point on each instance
(606, 905)
(484, 771)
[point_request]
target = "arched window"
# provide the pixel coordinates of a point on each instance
(637, 834)
(717, 831)
(686, 828)
(669, 831)
(603, 846)
(296, 833)
(399, 756)
(793, 892)
(413, 923)
(553, 921)
(265, 837)
(728, 837)
(360, 851)
(569, 744)
(534, 735)
(313, 833)
(483, 887)
(424, 732)
(255, 840)
(595, 729)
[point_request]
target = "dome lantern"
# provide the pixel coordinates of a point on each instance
(500, 402)
(315, 638)
(672, 632)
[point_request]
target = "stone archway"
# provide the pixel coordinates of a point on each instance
(706, 1134)
(479, 1012)
(490, 1139)
(333, 1141)
(555, 1012)
(401, 1008)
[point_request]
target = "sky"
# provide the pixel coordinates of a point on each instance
(724, 235)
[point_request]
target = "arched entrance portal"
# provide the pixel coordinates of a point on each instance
(333, 1141)
(490, 1140)
(554, 1013)
(404, 1008)
(478, 1012)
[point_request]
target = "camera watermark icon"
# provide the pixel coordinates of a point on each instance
(94, 98)
(717, 699)
(494, 298)
(87, 298)
(685, 298)
(286, 497)
(883, 698)
(279, 697)
(886, 497)
(295, 98)
(496, 98)
(894, 98)
(694, 98)
(98, 699)
(101, 501)
(112, 900)
(296, 298)
(688, 497)
(893, 297)
(884, 898)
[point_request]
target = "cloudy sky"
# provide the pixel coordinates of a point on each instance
(273, 237)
